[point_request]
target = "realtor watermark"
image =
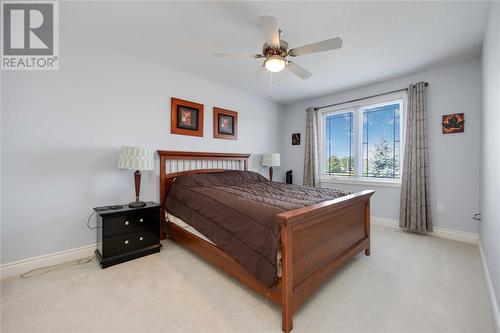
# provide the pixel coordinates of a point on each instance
(30, 37)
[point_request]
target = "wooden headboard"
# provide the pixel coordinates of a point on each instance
(176, 163)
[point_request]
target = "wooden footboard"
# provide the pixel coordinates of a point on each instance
(316, 241)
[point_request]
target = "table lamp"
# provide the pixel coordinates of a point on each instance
(138, 159)
(270, 160)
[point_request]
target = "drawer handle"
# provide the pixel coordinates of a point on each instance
(141, 238)
(127, 222)
(141, 220)
(126, 242)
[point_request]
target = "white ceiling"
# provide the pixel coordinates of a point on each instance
(381, 39)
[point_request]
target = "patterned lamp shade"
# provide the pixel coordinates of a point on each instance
(136, 158)
(271, 159)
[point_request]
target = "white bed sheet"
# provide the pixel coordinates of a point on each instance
(186, 227)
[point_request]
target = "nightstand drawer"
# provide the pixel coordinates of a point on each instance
(116, 225)
(130, 242)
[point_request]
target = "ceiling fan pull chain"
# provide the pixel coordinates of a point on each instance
(271, 83)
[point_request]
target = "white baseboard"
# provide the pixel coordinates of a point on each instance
(491, 292)
(22, 266)
(384, 222)
(461, 236)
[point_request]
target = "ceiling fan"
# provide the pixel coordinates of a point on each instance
(275, 50)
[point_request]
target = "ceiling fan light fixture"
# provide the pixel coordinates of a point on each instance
(275, 64)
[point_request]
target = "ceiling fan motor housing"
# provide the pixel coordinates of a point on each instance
(268, 51)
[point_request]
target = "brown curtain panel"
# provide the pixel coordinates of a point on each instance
(415, 208)
(311, 165)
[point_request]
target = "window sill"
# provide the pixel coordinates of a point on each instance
(362, 181)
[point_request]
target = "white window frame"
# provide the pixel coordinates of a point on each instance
(357, 108)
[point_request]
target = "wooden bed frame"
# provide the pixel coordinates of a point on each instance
(315, 241)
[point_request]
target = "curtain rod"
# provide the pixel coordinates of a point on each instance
(359, 99)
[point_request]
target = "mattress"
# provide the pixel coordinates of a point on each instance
(236, 210)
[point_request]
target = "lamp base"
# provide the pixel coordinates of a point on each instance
(137, 181)
(136, 204)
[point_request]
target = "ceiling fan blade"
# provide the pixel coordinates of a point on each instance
(325, 45)
(238, 55)
(258, 73)
(270, 26)
(298, 70)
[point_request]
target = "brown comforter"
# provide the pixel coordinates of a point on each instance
(236, 210)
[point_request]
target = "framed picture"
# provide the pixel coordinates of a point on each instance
(225, 124)
(186, 118)
(453, 123)
(295, 139)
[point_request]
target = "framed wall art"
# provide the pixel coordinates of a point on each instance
(295, 139)
(453, 123)
(225, 124)
(186, 118)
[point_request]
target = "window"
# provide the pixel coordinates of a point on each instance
(339, 144)
(381, 142)
(362, 140)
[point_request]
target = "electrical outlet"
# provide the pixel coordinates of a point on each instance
(440, 207)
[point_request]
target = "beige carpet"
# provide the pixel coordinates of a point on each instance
(410, 283)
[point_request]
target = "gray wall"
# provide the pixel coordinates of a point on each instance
(490, 153)
(454, 159)
(62, 131)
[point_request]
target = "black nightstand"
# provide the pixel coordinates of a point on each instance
(127, 233)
